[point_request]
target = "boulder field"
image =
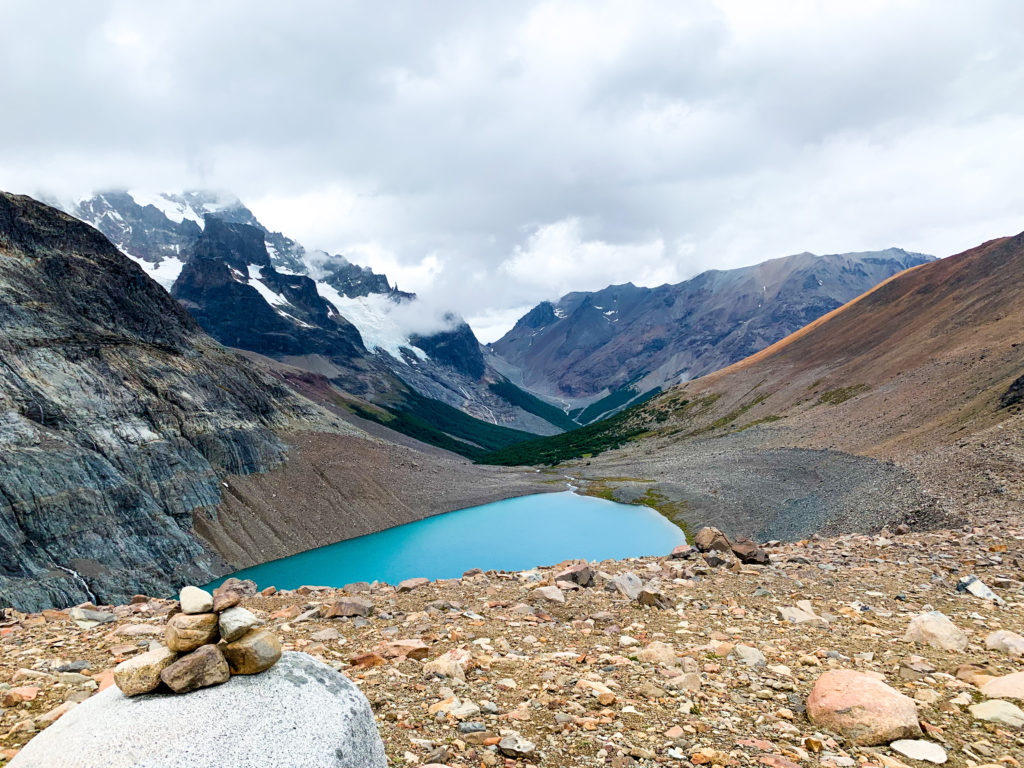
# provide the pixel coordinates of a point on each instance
(851, 652)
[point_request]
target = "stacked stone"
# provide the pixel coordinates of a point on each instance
(211, 639)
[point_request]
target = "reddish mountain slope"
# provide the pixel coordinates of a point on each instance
(920, 360)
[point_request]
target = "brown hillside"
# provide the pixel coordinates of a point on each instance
(886, 410)
(920, 360)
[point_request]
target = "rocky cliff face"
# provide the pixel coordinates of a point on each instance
(226, 283)
(117, 418)
(592, 343)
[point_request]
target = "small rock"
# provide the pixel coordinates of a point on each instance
(185, 632)
(15, 696)
(581, 574)
(255, 652)
(235, 622)
(658, 652)
(750, 656)
(195, 600)
(203, 667)
(141, 674)
(552, 594)
(653, 599)
(231, 593)
(935, 629)
(918, 749)
(90, 617)
(998, 711)
(139, 630)
(800, 616)
(348, 606)
(688, 681)
(453, 664)
(1005, 687)
(515, 745)
(862, 708)
(627, 584)
(407, 649)
(683, 552)
(1006, 641)
(326, 635)
(711, 539)
(749, 553)
(978, 588)
(716, 559)
(915, 667)
(408, 585)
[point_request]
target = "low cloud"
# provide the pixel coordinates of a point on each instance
(491, 156)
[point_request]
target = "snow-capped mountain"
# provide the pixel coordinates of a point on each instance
(260, 290)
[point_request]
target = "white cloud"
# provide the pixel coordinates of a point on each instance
(490, 156)
(557, 259)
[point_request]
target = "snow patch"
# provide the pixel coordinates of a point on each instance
(165, 272)
(174, 210)
(273, 299)
(374, 318)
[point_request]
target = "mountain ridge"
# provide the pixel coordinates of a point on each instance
(591, 344)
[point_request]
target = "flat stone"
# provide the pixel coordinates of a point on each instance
(203, 667)
(935, 629)
(515, 745)
(862, 708)
(253, 653)
(658, 652)
(141, 674)
(919, 749)
(627, 584)
(688, 681)
(140, 630)
(551, 594)
(185, 632)
(195, 600)
(408, 585)
(235, 622)
(231, 593)
(15, 696)
(347, 607)
(90, 617)
(998, 711)
(1005, 641)
(749, 553)
(1005, 687)
(453, 664)
(653, 599)
(407, 649)
(298, 713)
(326, 635)
(800, 616)
(978, 588)
(750, 656)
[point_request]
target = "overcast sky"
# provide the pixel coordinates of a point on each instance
(490, 155)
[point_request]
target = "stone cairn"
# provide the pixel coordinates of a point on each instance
(211, 639)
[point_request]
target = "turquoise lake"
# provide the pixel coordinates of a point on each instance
(511, 535)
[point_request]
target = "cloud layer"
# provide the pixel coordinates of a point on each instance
(493, 155)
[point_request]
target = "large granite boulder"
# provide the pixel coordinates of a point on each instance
(299, 712)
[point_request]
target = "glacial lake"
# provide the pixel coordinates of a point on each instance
(510, 535)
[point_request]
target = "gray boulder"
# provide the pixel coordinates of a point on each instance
(299, 712)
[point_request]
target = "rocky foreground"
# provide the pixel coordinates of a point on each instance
(853, 651)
